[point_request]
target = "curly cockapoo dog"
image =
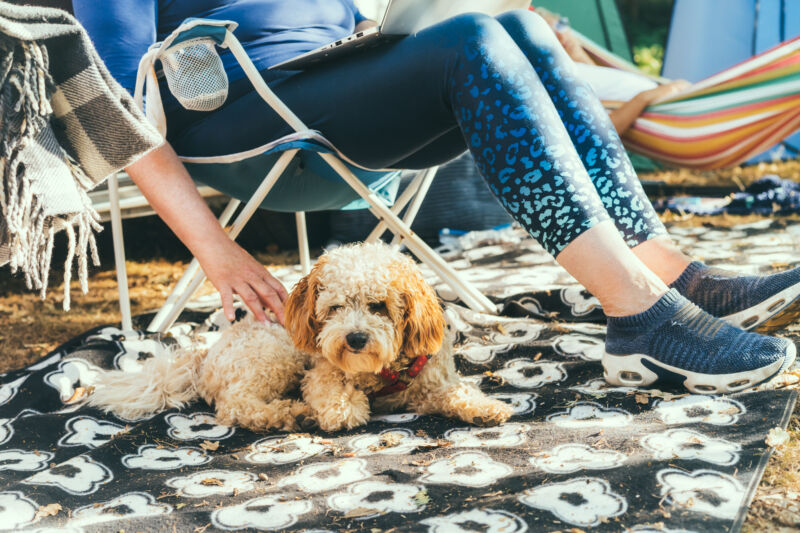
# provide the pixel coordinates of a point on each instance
(368, 335)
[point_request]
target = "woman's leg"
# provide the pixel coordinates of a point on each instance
(597, 141)
(386, 105)
(746, 301)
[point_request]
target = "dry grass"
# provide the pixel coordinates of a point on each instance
(30, 327)
(723, 220)
(740, 176)
(776, 506)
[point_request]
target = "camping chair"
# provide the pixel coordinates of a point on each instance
(723, 120)
(334, 181)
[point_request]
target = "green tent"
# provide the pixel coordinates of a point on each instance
(598, 20)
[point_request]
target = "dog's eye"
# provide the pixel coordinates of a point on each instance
(334, 308)
(377, 307)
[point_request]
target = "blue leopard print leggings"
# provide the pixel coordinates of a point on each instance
(502, 87)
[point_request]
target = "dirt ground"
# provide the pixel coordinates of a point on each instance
(30, 328)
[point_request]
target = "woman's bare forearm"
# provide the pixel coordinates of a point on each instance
(627, 114)
(169, 189)
(624, 116)
(166, 184)
(365, 25)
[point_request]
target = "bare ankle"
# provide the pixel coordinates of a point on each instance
(663, 257)
(631, 305)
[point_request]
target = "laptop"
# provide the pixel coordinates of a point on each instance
(401, 18)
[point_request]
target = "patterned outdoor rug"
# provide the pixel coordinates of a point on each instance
(577, 454)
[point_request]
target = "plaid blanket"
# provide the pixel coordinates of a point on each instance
(66, 126)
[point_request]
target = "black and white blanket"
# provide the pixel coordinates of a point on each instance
(577, 453)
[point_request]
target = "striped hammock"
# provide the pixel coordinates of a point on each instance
(723, 120)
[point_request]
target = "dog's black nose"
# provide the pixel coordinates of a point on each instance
(357, 340)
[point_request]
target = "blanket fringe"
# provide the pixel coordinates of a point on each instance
(27, 230)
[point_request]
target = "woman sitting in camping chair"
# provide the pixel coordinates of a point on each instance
(504, 89)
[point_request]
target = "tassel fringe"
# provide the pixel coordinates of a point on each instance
(30, 233)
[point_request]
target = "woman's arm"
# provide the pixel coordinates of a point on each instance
(165, 183)
(627, 113)
(365, 25)
(122, 31)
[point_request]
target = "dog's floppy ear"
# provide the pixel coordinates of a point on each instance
(301, 316)
(423, 324)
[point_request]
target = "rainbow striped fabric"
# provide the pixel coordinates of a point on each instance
(723, 120)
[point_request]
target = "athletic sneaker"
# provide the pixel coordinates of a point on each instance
(759, 303)
(676, 341)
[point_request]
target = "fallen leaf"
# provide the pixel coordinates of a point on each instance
(777, 437)
(387, 440)
(212, 481)
(209, 446)
(361, 511)
(79, 393)
(643, 399)
(263, 477)
(421, 498)
(48, 510)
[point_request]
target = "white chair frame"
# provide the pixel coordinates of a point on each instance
(388, 218)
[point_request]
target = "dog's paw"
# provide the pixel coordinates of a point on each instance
(495, 414)
(306, 423)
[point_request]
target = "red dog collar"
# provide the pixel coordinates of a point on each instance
(393, 378)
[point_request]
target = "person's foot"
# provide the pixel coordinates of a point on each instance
(676, 341)
(760, 303)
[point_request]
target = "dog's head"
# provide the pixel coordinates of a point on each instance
(363, 305)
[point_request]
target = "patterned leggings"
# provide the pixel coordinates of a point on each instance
(502, 87)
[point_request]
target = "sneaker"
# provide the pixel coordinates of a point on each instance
(759, 303)
(677, 342)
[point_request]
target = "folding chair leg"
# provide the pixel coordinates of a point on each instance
(119, 253)
(399, 204)
(302, 242)
(244, 216)
(471, 296)
(416, 203)
(188, 276)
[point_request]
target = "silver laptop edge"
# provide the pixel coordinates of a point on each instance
(401, 17)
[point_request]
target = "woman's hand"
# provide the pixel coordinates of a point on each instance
(232, 270)
(664, 92)
(165, 183)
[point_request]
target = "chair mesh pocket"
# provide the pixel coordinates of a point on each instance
(195, 75)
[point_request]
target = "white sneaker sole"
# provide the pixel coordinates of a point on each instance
(630, 371)
(771, 314)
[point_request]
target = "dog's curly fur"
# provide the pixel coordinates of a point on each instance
(361, 309)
